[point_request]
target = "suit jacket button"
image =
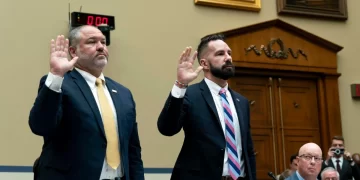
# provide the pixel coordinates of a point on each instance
(104, 145)
(221, 149)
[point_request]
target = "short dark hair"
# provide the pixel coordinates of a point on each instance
(205, 41)
(338, 138)
(292, 157)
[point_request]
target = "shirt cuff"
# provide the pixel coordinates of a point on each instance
(178, 92)
(54, 82)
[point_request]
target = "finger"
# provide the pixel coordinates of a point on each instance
(73, 61)
(62, 42)
(57, 43)
(197, 71)
(185, 54)
(66, 46)
(193, 57)
(188, 52)
(52, 46)
(181, 59)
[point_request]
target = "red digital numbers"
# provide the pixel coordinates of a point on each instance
(98, 20)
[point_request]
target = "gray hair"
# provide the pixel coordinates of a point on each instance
(327, 170)
(74, 36)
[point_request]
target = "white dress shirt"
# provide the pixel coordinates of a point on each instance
(333, 159)
(215, 89)
(54, 82)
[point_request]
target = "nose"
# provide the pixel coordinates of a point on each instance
(312, 161)
(228, 57)
(100, 46)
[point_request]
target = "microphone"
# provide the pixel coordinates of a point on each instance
(272, 175)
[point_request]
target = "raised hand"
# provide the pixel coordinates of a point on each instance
(59, 63)
(185, 71)
(347, 154)
(330, 154)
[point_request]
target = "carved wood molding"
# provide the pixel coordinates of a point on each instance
(283, 53)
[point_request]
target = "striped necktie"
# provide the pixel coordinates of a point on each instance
(233, 159)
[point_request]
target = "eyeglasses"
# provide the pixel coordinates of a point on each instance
(309, 158)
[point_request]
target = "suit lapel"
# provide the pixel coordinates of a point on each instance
(118, 100)
(205, 91)
(86, 91)
(331, 163)
(344, 168)
(240, 115)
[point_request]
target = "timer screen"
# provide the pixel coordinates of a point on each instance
(79, 19)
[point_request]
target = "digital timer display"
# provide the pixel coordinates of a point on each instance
(79, 19)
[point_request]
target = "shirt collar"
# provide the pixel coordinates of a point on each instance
(89, 78)
(299, 176)
(215, 88)
(340, 158)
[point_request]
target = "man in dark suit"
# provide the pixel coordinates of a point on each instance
(215, 119)
(87, 121)
(341, 160)
(308, 163)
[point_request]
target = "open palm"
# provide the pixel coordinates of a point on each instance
(59, 63)
(185, 71)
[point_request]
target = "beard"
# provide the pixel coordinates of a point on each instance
(89, 61)
(225, 72)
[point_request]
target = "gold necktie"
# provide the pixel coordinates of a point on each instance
(112, 148)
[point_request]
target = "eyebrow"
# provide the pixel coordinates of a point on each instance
(95, 37)
(221, 50)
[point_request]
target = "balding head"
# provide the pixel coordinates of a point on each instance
(310, 147)
(309, 161)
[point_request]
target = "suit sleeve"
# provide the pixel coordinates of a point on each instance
(172, 116)
(136, 166)
(46, 113)
(250, 145)
(355, 171)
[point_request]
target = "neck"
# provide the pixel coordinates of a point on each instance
(308, 177)
(94, 72)
(221, 82)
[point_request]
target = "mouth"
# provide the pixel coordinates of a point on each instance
(311, 169)
(225, 67)
(101, 53)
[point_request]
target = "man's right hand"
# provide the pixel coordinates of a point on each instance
(59, 63)
(185, 71)
(330, 154)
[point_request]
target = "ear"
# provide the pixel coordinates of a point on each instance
(204, 64)
(72, 51)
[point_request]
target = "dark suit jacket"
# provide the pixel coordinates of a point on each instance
(72, 129)
(347, 171)
(202, 154)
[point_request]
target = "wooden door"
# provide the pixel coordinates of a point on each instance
(297, 115)
(284, 116)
